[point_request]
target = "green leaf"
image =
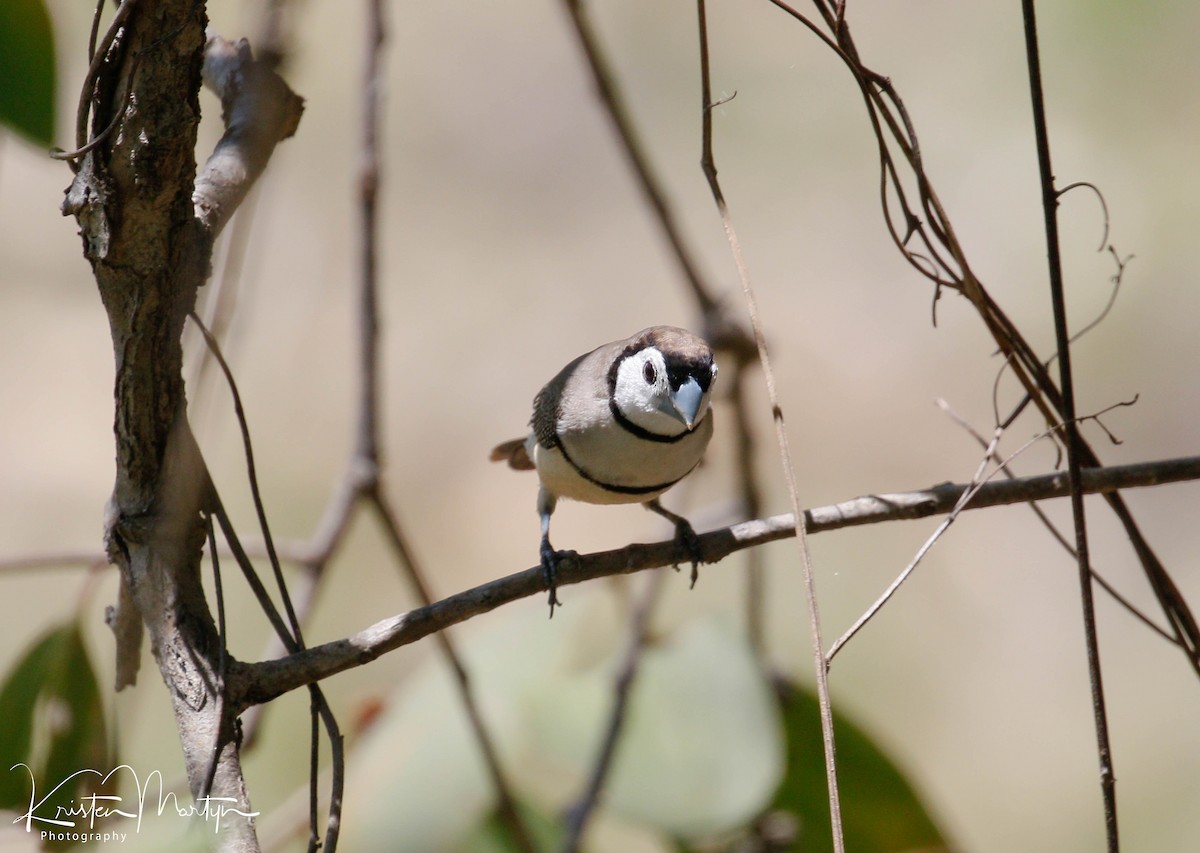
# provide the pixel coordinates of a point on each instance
(53, 723)
(27, 70)
(881, 811)
(18, 699)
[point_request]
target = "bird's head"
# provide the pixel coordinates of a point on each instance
(663, 381)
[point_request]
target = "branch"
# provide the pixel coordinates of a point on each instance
(943, 261)
(1004, 467)
(721, 329)
(578, 815)
(254, 683)
(259, 111)
(820, 661)
(150, 244)
(1066, 383)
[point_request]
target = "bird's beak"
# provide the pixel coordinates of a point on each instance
(685, 401)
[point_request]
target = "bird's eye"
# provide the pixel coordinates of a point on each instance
(649, 373)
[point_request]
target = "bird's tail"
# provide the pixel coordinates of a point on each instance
(514, 453)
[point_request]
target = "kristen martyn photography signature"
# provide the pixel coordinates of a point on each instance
(102, 817)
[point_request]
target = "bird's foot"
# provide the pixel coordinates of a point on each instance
(550, 562)
(686, 540)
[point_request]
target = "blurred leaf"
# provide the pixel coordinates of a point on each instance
(27, 70)
(701, 748)
(702, 745)
(18, 698)
(881, 813)
(417, 780)
(53, 722)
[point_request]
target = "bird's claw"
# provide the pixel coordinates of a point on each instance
(550, 561)
(687, 541)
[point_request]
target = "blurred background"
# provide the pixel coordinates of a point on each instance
(515, 238)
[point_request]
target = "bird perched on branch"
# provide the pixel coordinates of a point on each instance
(620, 424)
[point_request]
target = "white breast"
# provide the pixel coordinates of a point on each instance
(606, 464)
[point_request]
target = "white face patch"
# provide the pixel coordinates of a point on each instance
(643, 393)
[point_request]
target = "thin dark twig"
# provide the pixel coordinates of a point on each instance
(638, 161)
(507, 806)
(98, 56)
(319, 704)
(222, 658)
(118, 114)
(1050, 526)
(708, 165)
(95, 31)
(223, 290)
(1099, 197)
(367, 450)
(577, 815)
(976, 483)
(751, 493)
(1116, 280)
(313, 557)
(365, 464)
(314, 770)
(251, 575)
(337, 776)
(1066, 384)
(252, 476)
(886, 109)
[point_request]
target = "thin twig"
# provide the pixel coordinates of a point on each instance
(980, 478)
(578, 815)
(932, 229)
(821, 665)
(365, 465)
(507, 804)
(292, 632)
(602, 77)
(1066, 384)
(1099, 197)
(99, 54)
(99, 138)
(82, 557)
(973, 488)
(367, 437)
(252, 475)
(224, 289)
(319, 703)
(223, 654)
(1050, 526)
(751, 493)
(312, 557)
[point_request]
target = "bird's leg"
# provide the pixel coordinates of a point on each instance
(685, 536)
(549, 556)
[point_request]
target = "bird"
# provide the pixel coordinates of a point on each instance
(620, 424)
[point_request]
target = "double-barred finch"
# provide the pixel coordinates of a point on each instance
(620, 424)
